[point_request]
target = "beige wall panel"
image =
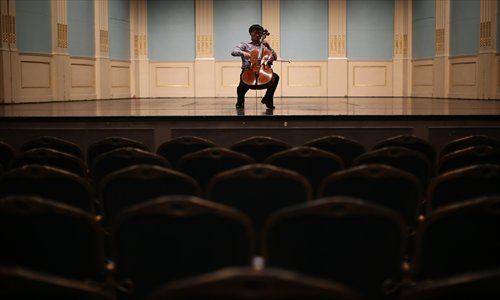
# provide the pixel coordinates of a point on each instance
(227, 78)
(172, 79)
(463, 74)
(120, 79)
(230, 76)
(422, 78)
(82, 79)
(422, 75)
(36, 82)
(35, 74)
(370, 78)
(304, 78)
(82, 75)
(120, 76)
(463, 77)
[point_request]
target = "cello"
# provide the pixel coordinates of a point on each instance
(259, 74)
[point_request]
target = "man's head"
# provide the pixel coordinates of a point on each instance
(256, 32)
(255, 27)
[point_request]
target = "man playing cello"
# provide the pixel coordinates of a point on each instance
(248, 51)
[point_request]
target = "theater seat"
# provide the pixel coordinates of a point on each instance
(43, 240)
(140, 183)
(258, 190)
(204, 164)
(345, 148)
(259, 147)
(51, 183)
(55, 143)
(458, 239)
(174, 237)
(463, 184)
(247, 283)
(343, 239)
(472, 155)
(469, 141)
(411, 142)
(399, 157)
(51, 157)
(174, 149)
(111, 143)
(313, 163)
(379, 184)
(123, 157)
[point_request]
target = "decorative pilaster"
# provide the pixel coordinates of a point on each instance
(139, 46)
(7, 24)
(8, 52)
(61, 77)
(101, 27)
(441, 60)
(443, 27)
(204, 29)
(337, 28)
(271, 21)
(400, 28)
(60, 9)
(139, 27)
(488, 26)
(487, 61)
(204, 66)
(401, 62)
(102, 65)
(337, 60)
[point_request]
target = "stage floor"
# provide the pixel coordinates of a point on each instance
(295, 120)
(299, 106)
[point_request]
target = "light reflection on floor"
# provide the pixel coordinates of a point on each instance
(299, 106)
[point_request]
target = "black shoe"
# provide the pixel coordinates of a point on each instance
(240, 105)
(268, 103)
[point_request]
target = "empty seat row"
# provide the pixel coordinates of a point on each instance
(258, 147)
(344, 240)
(255, 189)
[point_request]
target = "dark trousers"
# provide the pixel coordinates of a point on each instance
(269, 96)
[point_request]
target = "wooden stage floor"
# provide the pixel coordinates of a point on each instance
(304, 106)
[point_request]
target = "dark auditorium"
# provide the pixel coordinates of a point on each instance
(250, 149)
